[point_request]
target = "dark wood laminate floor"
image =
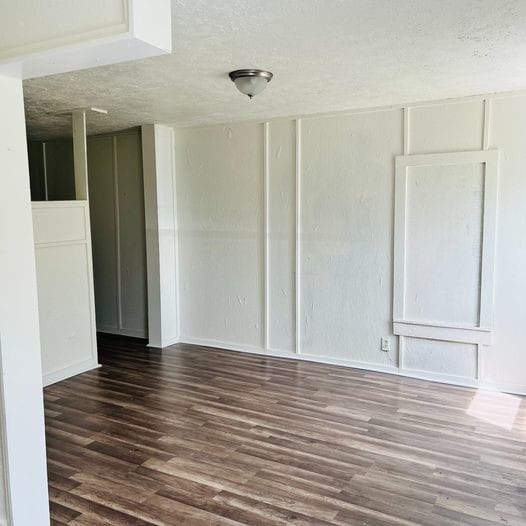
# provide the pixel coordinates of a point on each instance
(193, 436)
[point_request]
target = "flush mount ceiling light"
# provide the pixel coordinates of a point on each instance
(250, 81)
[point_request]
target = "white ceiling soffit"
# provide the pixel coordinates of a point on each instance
(39, 38)
(326, 55)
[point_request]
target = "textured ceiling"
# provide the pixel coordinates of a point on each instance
(326, 55)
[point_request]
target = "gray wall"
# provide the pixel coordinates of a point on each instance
(117, 220)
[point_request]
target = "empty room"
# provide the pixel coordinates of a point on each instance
(262, 262)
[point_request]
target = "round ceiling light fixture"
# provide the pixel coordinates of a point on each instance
(250, 81)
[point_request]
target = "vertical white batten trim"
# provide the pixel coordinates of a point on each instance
(486, 129)
(266, 251)
(4, 474)
(406, 130)
(44, 163)
(175, 237)
(80, 155)
(117, 232)
(298, 236)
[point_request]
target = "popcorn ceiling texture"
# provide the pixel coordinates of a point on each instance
(327, 55)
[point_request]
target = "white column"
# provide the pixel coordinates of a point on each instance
(161, 234)
(21, 413)
(80, 155)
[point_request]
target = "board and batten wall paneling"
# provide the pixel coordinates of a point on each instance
(221, 224)
(336, 175)
(132, 236)
(103, 231)
(347, 181)
(281, 239)
(118, 233)
(505, 361)
(65, 290)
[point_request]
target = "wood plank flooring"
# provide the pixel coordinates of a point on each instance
(197, 436)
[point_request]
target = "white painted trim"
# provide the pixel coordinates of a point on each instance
(480, 362)
(58, 204)
(373, 109)
(443, 333)
(175, 236)
(487, 121)
(116, 215)
(407, 122)
(176, 240)
(86, 241)
(401, 351)
(447, 158)
(408, 373)
(91, 289)
(44, 168)
(266, 219)
(489, 239)
(80, 154)
(4, 475)
(298, 239)
(166, 343)
(110, 32)
(480, 333)
(67, 372)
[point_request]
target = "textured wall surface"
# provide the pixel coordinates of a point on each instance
(220, 204)
(325, 200)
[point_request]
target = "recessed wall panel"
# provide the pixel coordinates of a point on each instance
(451, 127)
(444, 220)
(436, 356)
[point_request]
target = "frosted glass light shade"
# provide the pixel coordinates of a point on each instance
(251, 81)
(251, 85)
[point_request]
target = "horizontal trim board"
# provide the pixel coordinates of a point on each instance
(448, 158)
(59, 204)
(443, 325)
(408, 373)
(50, 244)
(437, 332)
(69, 371)
(494, 95)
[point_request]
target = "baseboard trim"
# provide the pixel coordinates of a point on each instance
(69, 371)
(166, 343)
(429, 376)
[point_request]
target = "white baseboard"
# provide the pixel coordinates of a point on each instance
(409, 373)
(69, 371)
(165, 343)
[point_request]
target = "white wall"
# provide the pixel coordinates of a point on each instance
(258, 202)
(65, 288)
(21, 414)
(161, 240)
(118, 233)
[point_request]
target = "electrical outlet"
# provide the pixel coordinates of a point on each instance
(386, 345)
